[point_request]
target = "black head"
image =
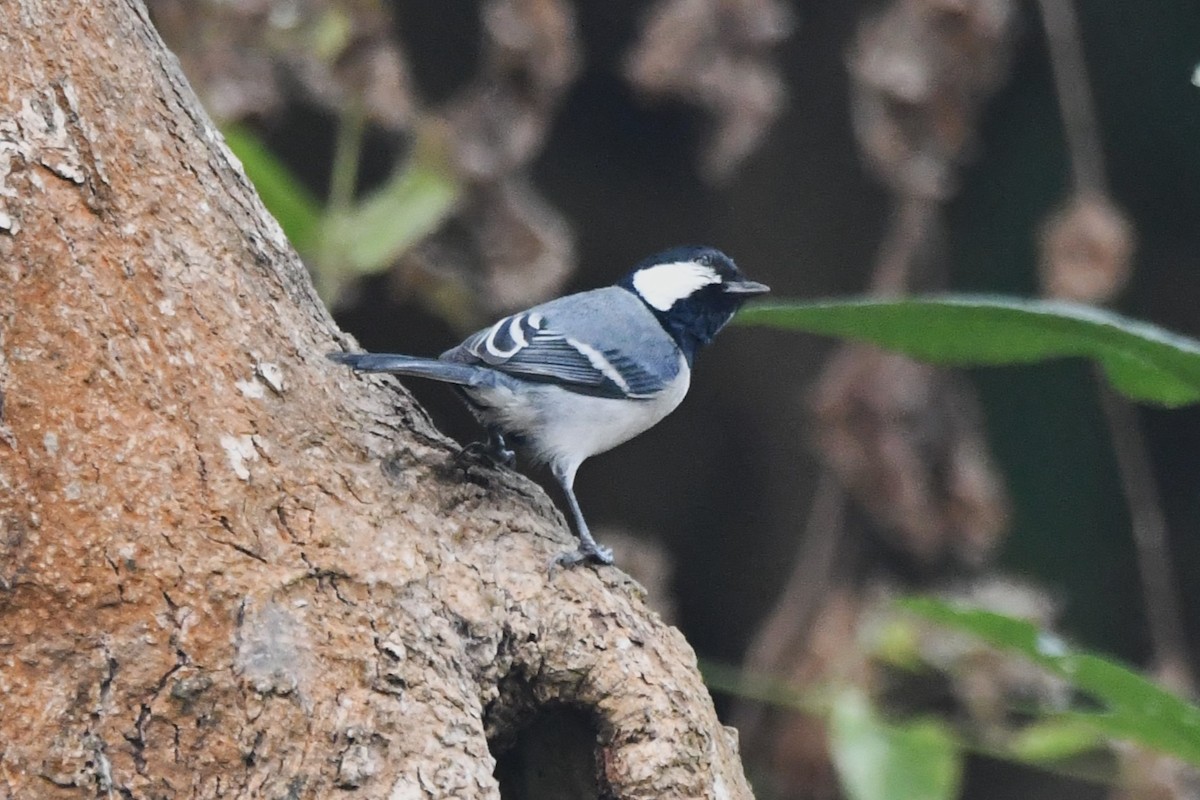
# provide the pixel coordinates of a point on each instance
(693, 291)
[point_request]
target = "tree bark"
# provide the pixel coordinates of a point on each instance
(229, 568)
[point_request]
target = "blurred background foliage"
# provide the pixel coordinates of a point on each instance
(440, 163)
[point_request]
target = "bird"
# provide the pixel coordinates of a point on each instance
(576, 376)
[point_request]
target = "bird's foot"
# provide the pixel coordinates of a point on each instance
(494, 451)
(587, 551)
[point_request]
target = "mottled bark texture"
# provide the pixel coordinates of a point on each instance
(229, 568)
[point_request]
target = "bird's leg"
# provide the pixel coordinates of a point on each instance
(495, 450)
(588, 549)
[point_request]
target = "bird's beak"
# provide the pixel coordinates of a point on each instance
(747, 288)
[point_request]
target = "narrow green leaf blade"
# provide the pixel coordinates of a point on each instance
(1143, 361)
(282, 193)
(1134, 708)
(413, 203)
(1055, 739)
(876, 760)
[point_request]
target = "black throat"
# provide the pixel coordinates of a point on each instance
(693, 321)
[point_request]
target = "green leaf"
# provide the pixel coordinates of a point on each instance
(369, 236)
(329, 34)
(284, 196)
(1054, 740)
(1143, 361)
(1133, 707)
(766, 689)
(876, 760)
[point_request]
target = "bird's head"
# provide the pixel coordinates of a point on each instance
(693, 291)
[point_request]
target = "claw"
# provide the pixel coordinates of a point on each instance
(494, 450)
(585, 552)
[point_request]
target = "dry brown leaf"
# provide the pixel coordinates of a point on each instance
(248, 58)
(513, 246)
(921, 70)
(530, 58)
(716, 54)
(1086, 250)
(1153, 776)
(905, 440)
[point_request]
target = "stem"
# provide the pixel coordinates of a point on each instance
(911, 221)
(779, 642)
(1151, 542)
(343, 180)
(1074, 94)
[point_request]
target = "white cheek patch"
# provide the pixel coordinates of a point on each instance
(663, 285)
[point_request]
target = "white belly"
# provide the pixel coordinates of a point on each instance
(561, 427)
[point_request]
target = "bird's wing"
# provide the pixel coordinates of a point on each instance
(531, 346)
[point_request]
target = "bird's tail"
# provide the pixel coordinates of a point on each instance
(415, 366)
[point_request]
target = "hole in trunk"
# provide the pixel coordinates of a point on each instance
(551, 755)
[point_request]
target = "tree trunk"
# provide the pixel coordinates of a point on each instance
(229, 568)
